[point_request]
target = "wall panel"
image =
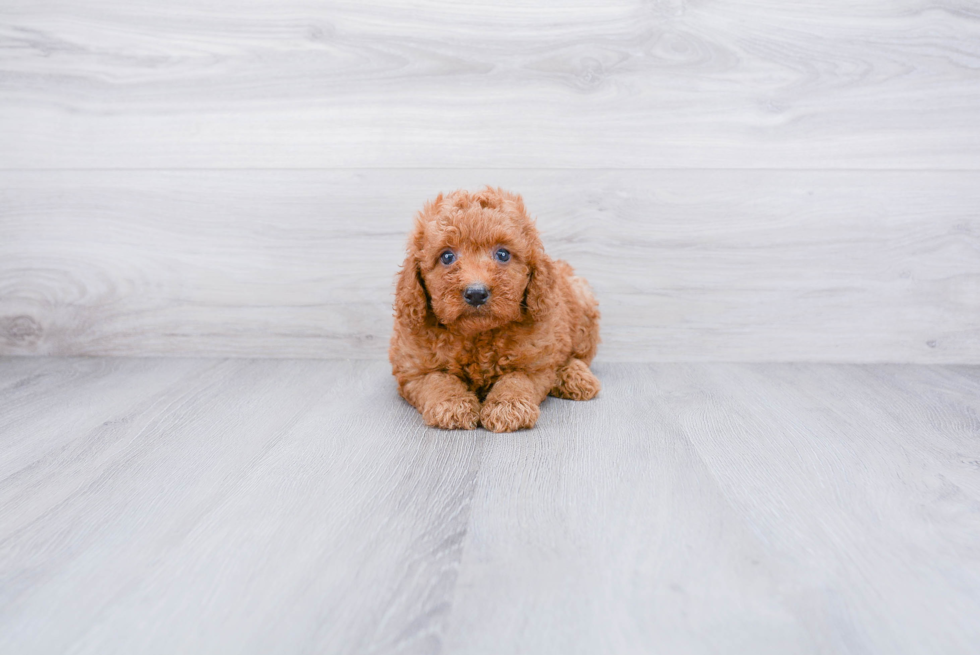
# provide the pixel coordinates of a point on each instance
(702, 265)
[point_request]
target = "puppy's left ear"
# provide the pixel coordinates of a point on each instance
(539, 298)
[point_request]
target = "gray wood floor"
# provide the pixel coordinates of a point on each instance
(202, 506)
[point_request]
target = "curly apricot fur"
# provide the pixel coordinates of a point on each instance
(495, 363)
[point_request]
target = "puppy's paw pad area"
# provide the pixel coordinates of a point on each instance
(454, 414)
(576, 382)
(509, 415)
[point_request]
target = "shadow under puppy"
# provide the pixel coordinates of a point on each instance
(486, 324)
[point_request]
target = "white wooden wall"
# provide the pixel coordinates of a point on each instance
(742, 181)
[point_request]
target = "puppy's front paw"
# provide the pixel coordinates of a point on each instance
(459, 413)
(509, 415)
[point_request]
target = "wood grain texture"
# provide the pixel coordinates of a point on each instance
(203, 506)
(219, 506)
(572, 84)
(752, 505)
(687, 265)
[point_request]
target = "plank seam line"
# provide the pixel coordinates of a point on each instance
(507, 168)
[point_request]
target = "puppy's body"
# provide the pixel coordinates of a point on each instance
(461, 363)
(480, 359)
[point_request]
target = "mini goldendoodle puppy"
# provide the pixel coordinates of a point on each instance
(486, 324)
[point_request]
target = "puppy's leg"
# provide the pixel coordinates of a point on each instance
(576, 381)
(443, 400)
(513, 401)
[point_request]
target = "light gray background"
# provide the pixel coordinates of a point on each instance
(739, 181)
(229, 183)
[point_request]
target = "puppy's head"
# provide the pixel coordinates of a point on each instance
(474, 263)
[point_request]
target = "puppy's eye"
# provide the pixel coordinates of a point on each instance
(447, 257)
(502, 255)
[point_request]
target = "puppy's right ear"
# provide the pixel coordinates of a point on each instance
(411, 302)
(411, 299)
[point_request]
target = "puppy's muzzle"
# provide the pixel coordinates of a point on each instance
(476, 295)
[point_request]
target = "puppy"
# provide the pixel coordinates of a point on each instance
(486, 324)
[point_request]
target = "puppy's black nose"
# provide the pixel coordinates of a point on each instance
(476, 295)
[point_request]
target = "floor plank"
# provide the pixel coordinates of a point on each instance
(166, 505)
(572, 84)
(605, 532)
(268, 498)
(687, 265)
(845, 481)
